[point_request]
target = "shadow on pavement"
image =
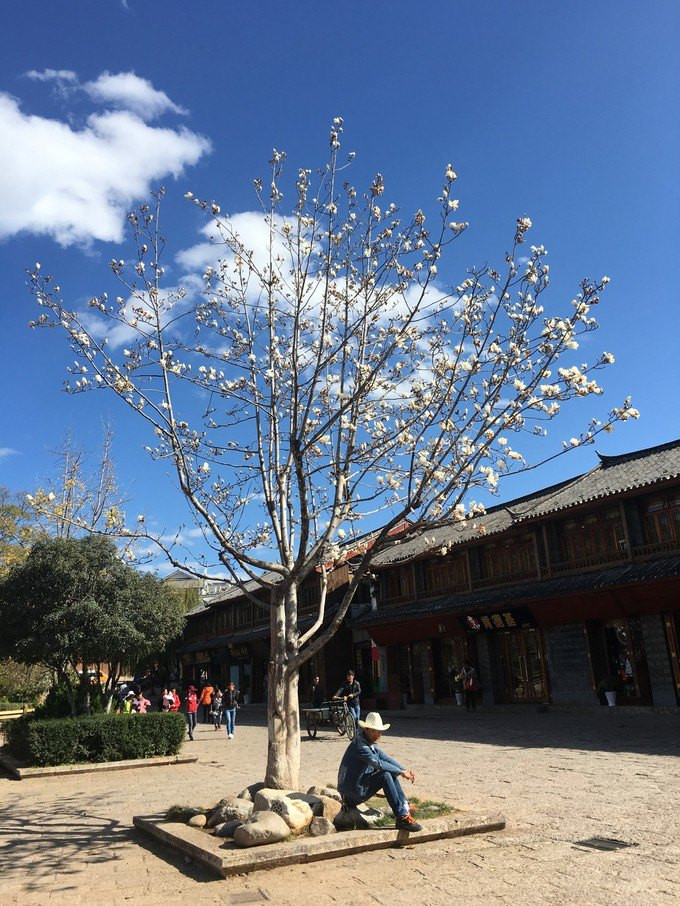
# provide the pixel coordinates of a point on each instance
(646, 734)
(595, 730)
(63, 839)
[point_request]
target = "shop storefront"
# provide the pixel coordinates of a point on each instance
(412, 662)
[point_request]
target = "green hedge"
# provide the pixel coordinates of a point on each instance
(104, 737)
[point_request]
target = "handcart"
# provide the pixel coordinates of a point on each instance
(330, 714)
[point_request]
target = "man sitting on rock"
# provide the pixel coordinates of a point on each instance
(365, 769)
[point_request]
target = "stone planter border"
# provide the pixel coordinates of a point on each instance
(225, 858)
(22, 772)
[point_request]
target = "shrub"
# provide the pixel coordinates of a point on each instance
(10, 706)
(103, 737)
(57, 703)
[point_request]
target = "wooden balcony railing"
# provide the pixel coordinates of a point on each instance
(600, 559)
(658, 547)
(400, 599)
(458, 589)
(509, 579)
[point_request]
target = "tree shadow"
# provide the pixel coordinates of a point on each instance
(42, 842)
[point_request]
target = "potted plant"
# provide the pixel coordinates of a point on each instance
(608, 687)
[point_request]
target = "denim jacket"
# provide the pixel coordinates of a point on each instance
(360, 762)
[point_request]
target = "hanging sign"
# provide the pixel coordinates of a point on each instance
(501, 620)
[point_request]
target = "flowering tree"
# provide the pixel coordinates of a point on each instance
(82, 494)
(341, 379)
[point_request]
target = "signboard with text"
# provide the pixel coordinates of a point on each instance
(499, 620)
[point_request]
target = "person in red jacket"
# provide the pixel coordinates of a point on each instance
(191, 705)
(175, 706)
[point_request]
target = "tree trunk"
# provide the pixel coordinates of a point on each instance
(283, 707)
(63, 677)
(86, 693)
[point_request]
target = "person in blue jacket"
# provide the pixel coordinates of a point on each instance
(365, 769)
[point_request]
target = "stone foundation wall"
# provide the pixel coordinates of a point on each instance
(568, 665)
(487, 695)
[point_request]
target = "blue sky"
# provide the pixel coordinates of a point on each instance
(564, 112)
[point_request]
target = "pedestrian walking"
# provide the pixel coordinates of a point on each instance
(216, 709)
(350, 691)
(191, 706)
(230, 706)
(167, 700)
(176, 703)
(206, 701)
(470, 685)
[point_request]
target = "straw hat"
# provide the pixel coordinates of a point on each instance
(374, 722)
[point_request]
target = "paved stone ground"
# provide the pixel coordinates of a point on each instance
(557, 777)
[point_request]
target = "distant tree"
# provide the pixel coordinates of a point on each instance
(332, 371)
(23, 682)
(18, 529)
(74, 604)
(82, 494)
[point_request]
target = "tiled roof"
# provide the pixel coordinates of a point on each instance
(612, 475)
(253, 585)
(200, 608)
(236, 638)
(248, 635)
(579, 583)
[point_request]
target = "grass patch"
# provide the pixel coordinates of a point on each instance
(181, 813)
(425, 808)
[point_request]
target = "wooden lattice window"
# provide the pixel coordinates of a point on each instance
(445, 574)
(661, 519)
(398, 583)
(242, 615)
(594, 536)
(506, 559)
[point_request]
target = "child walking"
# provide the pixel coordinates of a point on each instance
(216, 709)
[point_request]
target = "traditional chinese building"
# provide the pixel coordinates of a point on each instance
(546, 595)
(228, 638)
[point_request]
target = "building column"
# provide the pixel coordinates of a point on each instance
(658, 660)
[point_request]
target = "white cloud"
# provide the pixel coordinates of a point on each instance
(120, 90)
(77, 184)
(130, 92)
(251, 229)
(53, 75)
(7, 451)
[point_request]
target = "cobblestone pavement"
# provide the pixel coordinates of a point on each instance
(557, 777)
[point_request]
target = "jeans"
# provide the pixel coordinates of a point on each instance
(389, 784)
(230, 720)
(191, 722)
(354, 706)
